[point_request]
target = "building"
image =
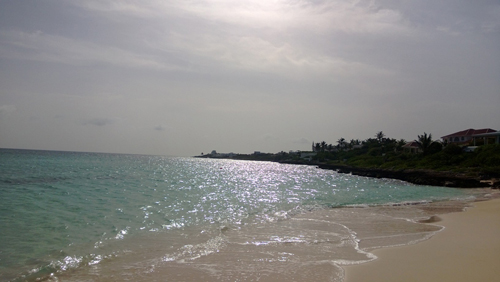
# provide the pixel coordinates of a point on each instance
(412, 147)
(465, 136)
(487, 138)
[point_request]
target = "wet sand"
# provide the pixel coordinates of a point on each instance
(468, 249)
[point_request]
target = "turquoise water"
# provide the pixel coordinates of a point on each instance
(72, 215)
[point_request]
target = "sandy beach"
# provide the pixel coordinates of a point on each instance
(468, 249)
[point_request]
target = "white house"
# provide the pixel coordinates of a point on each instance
(465, 136)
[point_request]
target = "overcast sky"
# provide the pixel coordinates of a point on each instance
(185, 77)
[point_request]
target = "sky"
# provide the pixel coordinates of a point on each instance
(184, 77)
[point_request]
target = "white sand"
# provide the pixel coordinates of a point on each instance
(468, 249)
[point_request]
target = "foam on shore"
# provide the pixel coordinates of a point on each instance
(466, 250)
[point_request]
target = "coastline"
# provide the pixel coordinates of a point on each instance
(417, 176)
(427, 177)
(466, 250)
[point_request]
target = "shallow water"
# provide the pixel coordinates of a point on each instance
(87, 216)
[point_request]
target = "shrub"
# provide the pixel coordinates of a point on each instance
(452, 149)
(435, 147)
(489, 155)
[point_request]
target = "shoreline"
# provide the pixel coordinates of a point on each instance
(465, 250)
(416, 176)
(427, 177)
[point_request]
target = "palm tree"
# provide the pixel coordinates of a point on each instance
(341, 143)
(330, 147)
(323, 146)
(424, 142)
(380, 136)
(353, 142)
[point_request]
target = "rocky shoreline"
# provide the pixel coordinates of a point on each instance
(420, 177)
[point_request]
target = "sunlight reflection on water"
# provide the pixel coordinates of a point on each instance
(106, 206)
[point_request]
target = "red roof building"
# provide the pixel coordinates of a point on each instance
(412, 147)
(465, 135)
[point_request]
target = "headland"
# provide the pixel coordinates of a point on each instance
(459, 169)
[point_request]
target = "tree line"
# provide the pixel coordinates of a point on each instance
(424, 142)
(383, 152)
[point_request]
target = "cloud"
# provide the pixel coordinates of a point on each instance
(302, 141)
(262, 36)
(98, 121)
(129, 8)
(288, 68)
(347, 16)
(39, 46)
(262, 55)
(7, 110)
(491, 23)
(159, 128)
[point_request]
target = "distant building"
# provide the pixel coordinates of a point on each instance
(487, 138)
(214, 154)
(412, 147)
(465, 136)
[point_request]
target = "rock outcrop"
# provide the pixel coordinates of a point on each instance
(421, 177)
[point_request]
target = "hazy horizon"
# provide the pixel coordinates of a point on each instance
(182, 78)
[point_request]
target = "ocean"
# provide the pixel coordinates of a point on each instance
(70, 216)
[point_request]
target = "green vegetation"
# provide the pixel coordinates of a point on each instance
(387, 153)
(390, 154)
